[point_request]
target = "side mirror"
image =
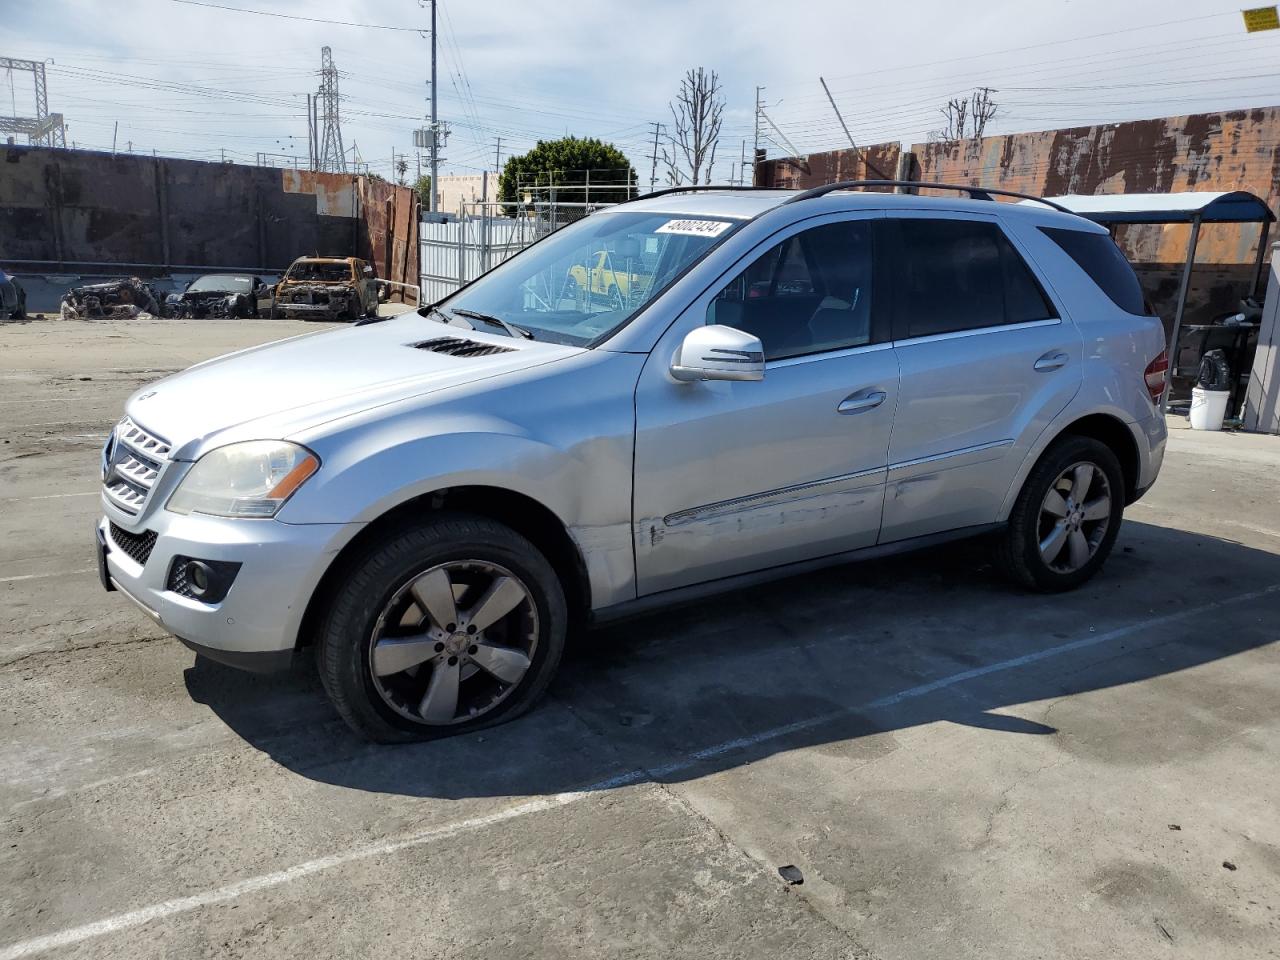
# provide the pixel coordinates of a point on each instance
(719, 353)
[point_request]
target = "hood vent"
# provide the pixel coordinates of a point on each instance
(458, 347)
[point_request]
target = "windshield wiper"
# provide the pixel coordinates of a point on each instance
(444, 318)
(512, 330)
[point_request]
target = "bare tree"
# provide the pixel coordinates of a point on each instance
(982, 109)
(696, 113)
(966, 116)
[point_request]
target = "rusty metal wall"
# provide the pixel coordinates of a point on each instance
(69, 210)
(1232, 150)
(797, 173)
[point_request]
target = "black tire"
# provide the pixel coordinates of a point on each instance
(373, 578)
(1018, 552)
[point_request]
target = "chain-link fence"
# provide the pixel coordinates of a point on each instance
(457, 251)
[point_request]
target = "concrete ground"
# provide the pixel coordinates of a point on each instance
(957, 768)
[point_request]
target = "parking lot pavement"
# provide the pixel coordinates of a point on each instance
(957, 768)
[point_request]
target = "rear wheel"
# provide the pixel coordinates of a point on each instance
(451, 625)
(1066, 518)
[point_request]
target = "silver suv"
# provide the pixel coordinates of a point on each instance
(687, 393)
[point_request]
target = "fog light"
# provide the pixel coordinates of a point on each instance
(205, 580)
(198, 578)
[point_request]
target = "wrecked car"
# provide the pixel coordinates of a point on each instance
(13, 299)
(221, 296)
(111, 300)
(327, 288)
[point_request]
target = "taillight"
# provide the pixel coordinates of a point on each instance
(1156, 376)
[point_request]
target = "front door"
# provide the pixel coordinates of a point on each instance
(732, 477)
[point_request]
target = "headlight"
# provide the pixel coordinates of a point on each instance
(252, 479)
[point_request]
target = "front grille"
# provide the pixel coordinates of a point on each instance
(458, 347)
(136, 459)
(137, 546)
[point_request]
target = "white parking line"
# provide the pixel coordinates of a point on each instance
(45, 576)
(51, 496)
(231, 891)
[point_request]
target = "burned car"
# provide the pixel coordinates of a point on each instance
(327, 288)
(111, 300)
(222, 296)
(13, 299)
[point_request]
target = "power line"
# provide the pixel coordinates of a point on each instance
(290, 16)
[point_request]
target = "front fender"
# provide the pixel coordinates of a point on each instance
(578, 466)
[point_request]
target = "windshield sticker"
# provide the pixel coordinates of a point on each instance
(695, 228)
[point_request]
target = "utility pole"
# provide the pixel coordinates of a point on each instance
(114, 133)
(435, 118)
(742, 167)
(311, 138)
(653, 170)
(755, 149)
(497, 157)
(858, 154)
(781, 136)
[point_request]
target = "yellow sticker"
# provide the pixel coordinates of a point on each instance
(1261, 18)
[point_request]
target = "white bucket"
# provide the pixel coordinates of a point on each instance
(1208, 407)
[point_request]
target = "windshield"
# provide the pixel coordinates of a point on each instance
(218, 283)
(590, 278)
(320, 270)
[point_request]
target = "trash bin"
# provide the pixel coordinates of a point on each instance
(1208, 408)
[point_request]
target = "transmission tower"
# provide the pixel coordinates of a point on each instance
(333, 156)
(45, 129)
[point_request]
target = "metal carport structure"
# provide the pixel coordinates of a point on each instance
(1194, 208)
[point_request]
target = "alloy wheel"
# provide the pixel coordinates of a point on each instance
(1074, 517)
(454, 642)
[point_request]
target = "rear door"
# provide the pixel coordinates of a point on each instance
(987, 357)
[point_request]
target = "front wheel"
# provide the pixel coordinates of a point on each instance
(1066, 518)
(450, 625)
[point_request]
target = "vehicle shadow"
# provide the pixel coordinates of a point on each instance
(825, 658)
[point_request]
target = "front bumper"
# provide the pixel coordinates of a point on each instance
(256, 625)
(310, 309)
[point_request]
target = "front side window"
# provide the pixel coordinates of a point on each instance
(808, 294)
(955, 275)
(584, 282)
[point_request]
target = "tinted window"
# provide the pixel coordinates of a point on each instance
(1099, 257)
(808, 294)
(962, 275)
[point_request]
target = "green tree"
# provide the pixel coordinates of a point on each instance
(566, 163)
(423, 189)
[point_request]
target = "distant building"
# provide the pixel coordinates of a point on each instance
(465, 188)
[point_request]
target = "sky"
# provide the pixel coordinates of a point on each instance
(201, 81)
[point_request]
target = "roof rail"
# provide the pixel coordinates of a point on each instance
(976, 193)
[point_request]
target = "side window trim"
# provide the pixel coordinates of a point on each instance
(890, 283)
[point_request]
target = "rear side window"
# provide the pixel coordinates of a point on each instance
(1098, 256)
(955, 275)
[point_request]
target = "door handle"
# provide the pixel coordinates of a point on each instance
(1052, 361)
(858, 402)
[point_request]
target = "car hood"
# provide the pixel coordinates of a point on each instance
(279, 389)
